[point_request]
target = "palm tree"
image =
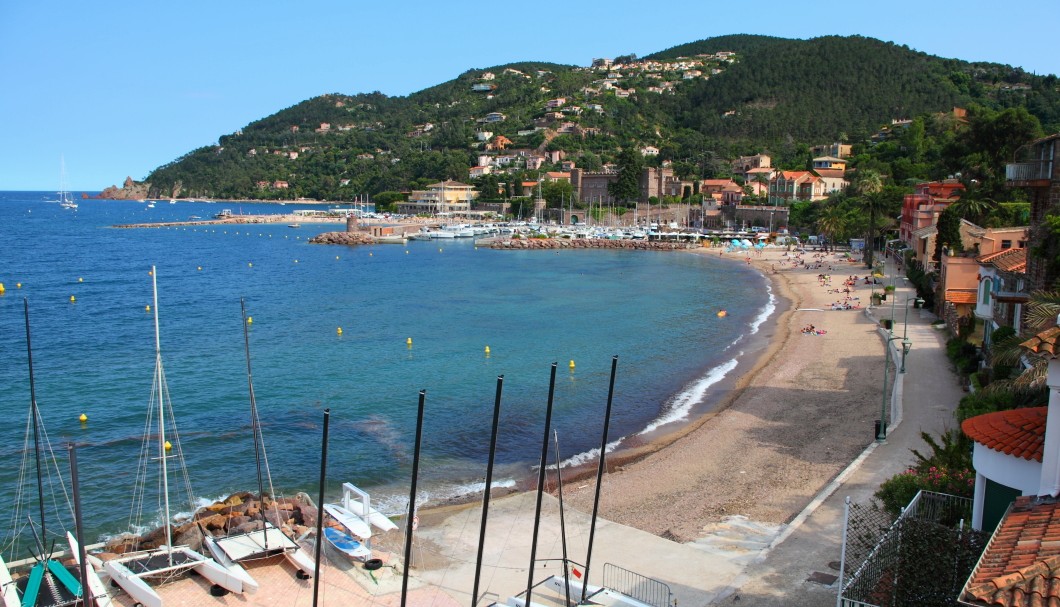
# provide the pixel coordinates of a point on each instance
(868, 187)
(832, 223)
(974, 210)
(1042, 311)
(763, 180)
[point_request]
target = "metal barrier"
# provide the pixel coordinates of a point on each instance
(922, 557)
(634, 585)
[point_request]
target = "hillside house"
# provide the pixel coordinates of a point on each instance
(790, 186)
(743, 164)
(494, 117)
(649, 150)
(1002, 291)
(922, 208)
(958, 286)
(556, 103)
(1038, 173)
(443, 197)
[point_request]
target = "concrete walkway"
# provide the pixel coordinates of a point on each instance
(930, 392)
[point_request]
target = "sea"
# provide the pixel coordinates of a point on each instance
(355, 331)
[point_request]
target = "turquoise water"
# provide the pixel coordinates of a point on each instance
(655, 310)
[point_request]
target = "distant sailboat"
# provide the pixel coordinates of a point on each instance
(65, 200)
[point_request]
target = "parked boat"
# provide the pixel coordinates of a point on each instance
(267, 541)
(358, 502)
(346, 544)
(132, 568)
(49, 583)
(224, 214)
(353, 523)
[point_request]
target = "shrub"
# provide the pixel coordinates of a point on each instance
(1001, 334)
(896, 492)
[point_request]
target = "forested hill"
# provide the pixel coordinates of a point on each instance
(711, 99)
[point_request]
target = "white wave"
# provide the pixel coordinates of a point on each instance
(690, 396)
(584, 457)
(397, 504)
(767, 310)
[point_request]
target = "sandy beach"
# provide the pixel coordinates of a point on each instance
(803, 412)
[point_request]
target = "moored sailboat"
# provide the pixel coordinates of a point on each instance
(268, 540)
(49, 583)
(165, 561)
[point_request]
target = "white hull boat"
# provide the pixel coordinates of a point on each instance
(353, 523)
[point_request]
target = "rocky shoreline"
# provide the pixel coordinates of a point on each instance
(590, 243)
(238, 513)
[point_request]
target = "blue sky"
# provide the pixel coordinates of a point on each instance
(118, 88)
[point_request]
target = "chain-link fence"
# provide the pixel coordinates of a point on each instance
(921, 559)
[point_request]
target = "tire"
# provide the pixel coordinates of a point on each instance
(302, 575)
(218, 590)
(373, 564)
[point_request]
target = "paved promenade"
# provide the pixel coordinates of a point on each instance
(780, 577)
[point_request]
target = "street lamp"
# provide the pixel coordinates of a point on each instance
(906, 346)
(881, 433)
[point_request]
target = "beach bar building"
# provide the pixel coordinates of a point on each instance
(450, 197)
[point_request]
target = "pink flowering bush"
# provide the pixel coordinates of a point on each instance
(899, 490)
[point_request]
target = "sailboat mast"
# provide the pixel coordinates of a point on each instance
(36, 424)
(161, 412)
(255, 428)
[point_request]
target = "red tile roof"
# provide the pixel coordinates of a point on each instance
(1021, 566)
(961, 296)
(1016, 432)
(1007, 260)
(1045, 343)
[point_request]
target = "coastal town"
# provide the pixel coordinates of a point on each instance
(871, 418)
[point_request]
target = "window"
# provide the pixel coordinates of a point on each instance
(1006, 244)
(986, 287)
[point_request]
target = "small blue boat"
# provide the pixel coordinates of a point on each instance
(346, 544)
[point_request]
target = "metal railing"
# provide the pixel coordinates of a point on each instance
(923, 556)
(1029, 171)
(634, 585)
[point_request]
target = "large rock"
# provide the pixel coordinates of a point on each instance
(347, 238)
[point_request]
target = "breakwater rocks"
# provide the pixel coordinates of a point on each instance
(591, 243)
(238, 513)
(342, 238)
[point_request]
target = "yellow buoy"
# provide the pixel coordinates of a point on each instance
(408, 342)
(369, 254)
(336, 257)
(147, 308)
(571, 365)
(83, 418)
(250, 320)
(487, 349)
(168, 445)
(200, 268)
(72, 299)
(722, 314)
(439, 249)
(339, 330)
(296, 261)
(79, 279)
(1, 287)
(406, 251)
(150, 273)
(18, 285)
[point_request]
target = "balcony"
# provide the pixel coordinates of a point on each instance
(1036, 173)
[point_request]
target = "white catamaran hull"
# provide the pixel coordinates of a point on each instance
(250, 585)
(142, 591)
(7, 586)
(138, 589)
(95, 585)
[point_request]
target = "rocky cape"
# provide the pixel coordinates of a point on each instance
(130, 190)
